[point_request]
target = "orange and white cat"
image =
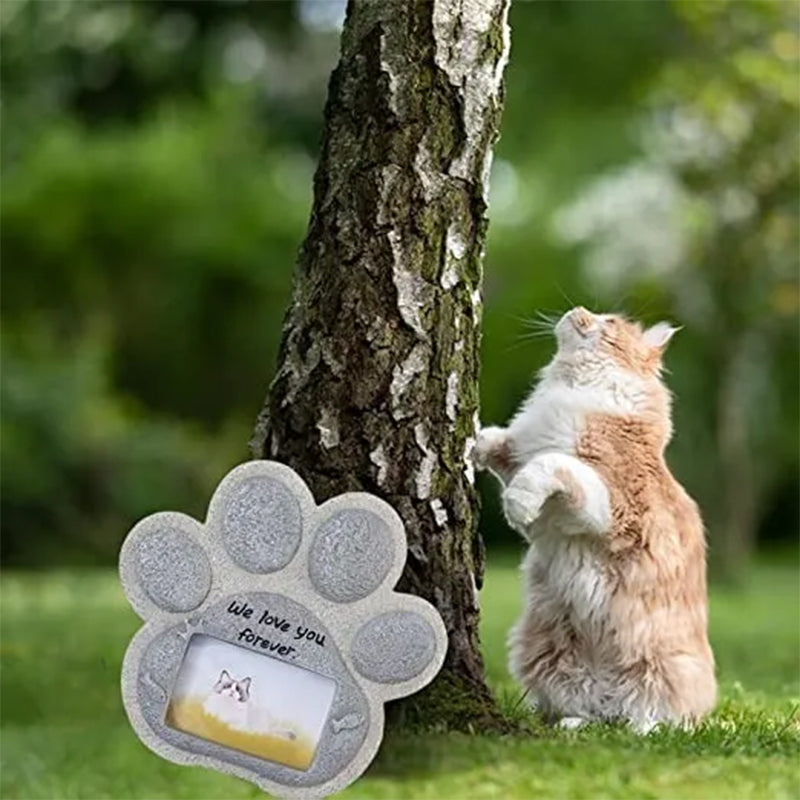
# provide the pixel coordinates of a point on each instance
(615, 618)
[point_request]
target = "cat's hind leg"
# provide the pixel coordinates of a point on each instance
(572, 723)
(544, 660)
(678, 691)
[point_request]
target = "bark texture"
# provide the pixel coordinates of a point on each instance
(377, 383)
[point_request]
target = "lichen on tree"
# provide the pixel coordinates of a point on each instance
(377, 381)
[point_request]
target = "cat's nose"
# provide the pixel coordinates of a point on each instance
(581, 318)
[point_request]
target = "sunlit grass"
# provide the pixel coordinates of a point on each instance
(65, 734)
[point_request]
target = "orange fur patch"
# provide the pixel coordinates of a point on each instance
(656, 554)
(623, 341)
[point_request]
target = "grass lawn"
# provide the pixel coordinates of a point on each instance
(64, 733)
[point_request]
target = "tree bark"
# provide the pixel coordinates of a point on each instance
(377, 383)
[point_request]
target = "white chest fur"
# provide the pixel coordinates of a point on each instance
(565, 575)
(552, 418)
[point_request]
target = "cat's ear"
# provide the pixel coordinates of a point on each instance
(224, 677)
(244, 685)
(658, 335)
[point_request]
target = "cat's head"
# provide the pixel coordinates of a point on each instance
(617, 364)
(229, 687)
(611, 342)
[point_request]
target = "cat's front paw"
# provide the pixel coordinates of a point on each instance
(520, 509)
(491, 445)
(525, 495)
(283, 606)
(522, 505)
(494, 451)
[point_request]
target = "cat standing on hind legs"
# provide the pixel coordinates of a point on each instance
(615, 619)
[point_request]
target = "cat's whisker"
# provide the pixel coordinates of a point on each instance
(514, 346)
(528, 337)
(564, 295)
(516, 318)
(536, 320)
(543, 332)
(644, 306)
(540, 325)
(541, 321)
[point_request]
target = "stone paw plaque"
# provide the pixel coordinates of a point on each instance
(272, 633)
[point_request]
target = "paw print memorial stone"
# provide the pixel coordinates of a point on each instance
(295, 604)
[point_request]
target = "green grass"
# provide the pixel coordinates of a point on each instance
(65, 734)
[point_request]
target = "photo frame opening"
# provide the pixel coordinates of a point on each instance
(253, 703)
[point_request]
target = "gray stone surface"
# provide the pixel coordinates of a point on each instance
(350, 556)
(262, 525)
(393, 647)
(173, 570)
(336, 748)
(328, 571)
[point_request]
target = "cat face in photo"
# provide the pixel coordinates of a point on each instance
(229, 687)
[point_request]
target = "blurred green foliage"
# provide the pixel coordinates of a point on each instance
(157, 163)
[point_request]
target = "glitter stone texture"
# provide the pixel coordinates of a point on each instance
(351, 555)
(262, 525)
(328, 572)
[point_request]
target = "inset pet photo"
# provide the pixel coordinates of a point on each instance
(250, 702)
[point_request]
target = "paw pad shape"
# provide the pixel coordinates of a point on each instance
(298, 596)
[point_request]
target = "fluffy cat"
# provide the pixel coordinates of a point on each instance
(615, 618)
(229, 701)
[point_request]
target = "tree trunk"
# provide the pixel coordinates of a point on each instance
(377, 384)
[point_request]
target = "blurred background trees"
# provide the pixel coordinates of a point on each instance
(157, 161)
